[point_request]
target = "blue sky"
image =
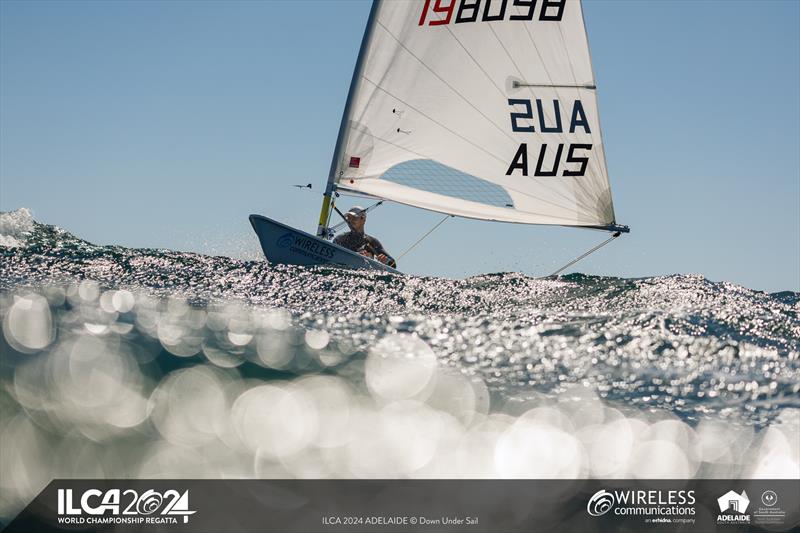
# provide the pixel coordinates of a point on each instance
(164, 124)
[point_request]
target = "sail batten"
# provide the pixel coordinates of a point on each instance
(482, 110)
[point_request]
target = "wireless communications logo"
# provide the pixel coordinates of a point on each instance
(600, 503)
(115, 506)
(657, 506)
(286, 240)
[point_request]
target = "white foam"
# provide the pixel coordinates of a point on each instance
(14, 227)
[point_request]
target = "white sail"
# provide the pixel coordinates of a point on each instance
(478, 108)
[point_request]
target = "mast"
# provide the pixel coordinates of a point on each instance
(324, 214)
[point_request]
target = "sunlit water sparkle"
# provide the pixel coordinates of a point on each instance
(121, 362)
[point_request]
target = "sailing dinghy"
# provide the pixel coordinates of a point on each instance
(484, 109)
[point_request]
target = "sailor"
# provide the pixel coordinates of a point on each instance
(360, 242)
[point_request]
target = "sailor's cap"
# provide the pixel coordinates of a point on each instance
(356, 211)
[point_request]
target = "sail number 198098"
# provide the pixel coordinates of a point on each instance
(440, 12)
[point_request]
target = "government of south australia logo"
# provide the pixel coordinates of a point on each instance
(769, 498)
(286, 240)
(733, 508)
(600, 503)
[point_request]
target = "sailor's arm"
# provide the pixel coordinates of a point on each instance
(381, 254)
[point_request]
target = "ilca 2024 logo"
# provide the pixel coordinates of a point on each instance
(115, 506)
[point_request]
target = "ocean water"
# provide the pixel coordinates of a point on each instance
(121, 362)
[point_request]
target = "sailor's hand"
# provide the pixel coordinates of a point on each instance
(382, 258)
(365, 253)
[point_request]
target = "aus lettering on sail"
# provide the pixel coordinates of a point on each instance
(525, 120)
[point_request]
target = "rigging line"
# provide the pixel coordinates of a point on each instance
(423, 237)
(404, 47)
(506, 187)
(614, 236)
(367, 210)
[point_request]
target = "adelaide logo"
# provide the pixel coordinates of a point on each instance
(733, 507)
(600, 503)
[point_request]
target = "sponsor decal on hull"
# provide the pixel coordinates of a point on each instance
(306, 246)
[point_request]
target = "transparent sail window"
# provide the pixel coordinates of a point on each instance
(428, 175)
